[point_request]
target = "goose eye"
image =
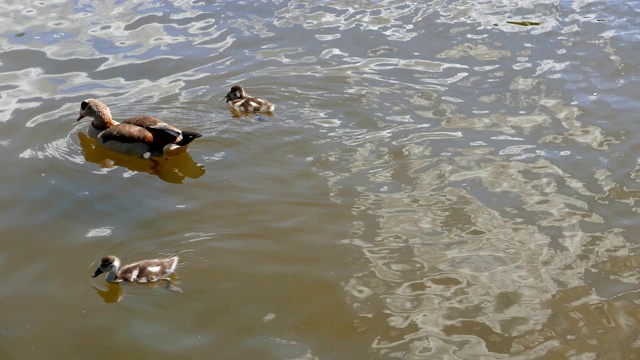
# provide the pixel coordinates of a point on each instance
(83, 105)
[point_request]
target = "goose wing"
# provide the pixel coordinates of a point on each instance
(127, 133)
(161, 131)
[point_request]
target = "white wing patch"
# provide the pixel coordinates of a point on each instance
(154, 268)
(134, 273)
(238, 104)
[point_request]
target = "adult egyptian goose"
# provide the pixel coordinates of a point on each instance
(140, 272)
(141, 135)
(239, 100)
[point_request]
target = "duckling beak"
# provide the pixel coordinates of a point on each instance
(98, 272)
(81, 115)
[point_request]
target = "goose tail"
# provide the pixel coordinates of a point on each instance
(188, 137)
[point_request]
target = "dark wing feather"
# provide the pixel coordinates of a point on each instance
(164, 127)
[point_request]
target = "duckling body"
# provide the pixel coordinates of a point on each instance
(141, 271)
(239, 100)
(141, 135)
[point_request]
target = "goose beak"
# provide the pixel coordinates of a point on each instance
(98, 272)
(81, 115)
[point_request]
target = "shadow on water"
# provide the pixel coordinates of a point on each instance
(172, 170)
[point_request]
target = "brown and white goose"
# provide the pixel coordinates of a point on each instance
(239, 100)
(140, 135)
(141, 271)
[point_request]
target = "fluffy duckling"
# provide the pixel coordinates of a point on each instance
(141, 135)
(141, 271)
(239, 100)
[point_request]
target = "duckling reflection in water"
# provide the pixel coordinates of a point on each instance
(141, 272)
(112, 294)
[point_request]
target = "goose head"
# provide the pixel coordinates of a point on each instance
(94, 109)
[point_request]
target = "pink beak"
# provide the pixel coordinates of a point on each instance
(81, 116)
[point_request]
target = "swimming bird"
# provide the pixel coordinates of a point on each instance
(239, 100)
(141, 271)
(140, 135)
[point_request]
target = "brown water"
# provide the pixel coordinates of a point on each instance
(449, 180)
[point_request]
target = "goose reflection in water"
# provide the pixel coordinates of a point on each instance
(172, 170)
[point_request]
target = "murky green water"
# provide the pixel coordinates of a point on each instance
(440, 180)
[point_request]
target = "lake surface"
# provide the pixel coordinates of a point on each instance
(440, 180)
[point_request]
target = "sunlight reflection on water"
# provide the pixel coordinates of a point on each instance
(465, 160)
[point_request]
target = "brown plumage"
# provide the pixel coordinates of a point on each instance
(141, 135)
(141, 271)
(239, 100)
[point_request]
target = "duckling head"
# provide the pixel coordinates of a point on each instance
(236, 92)
(109, 264)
